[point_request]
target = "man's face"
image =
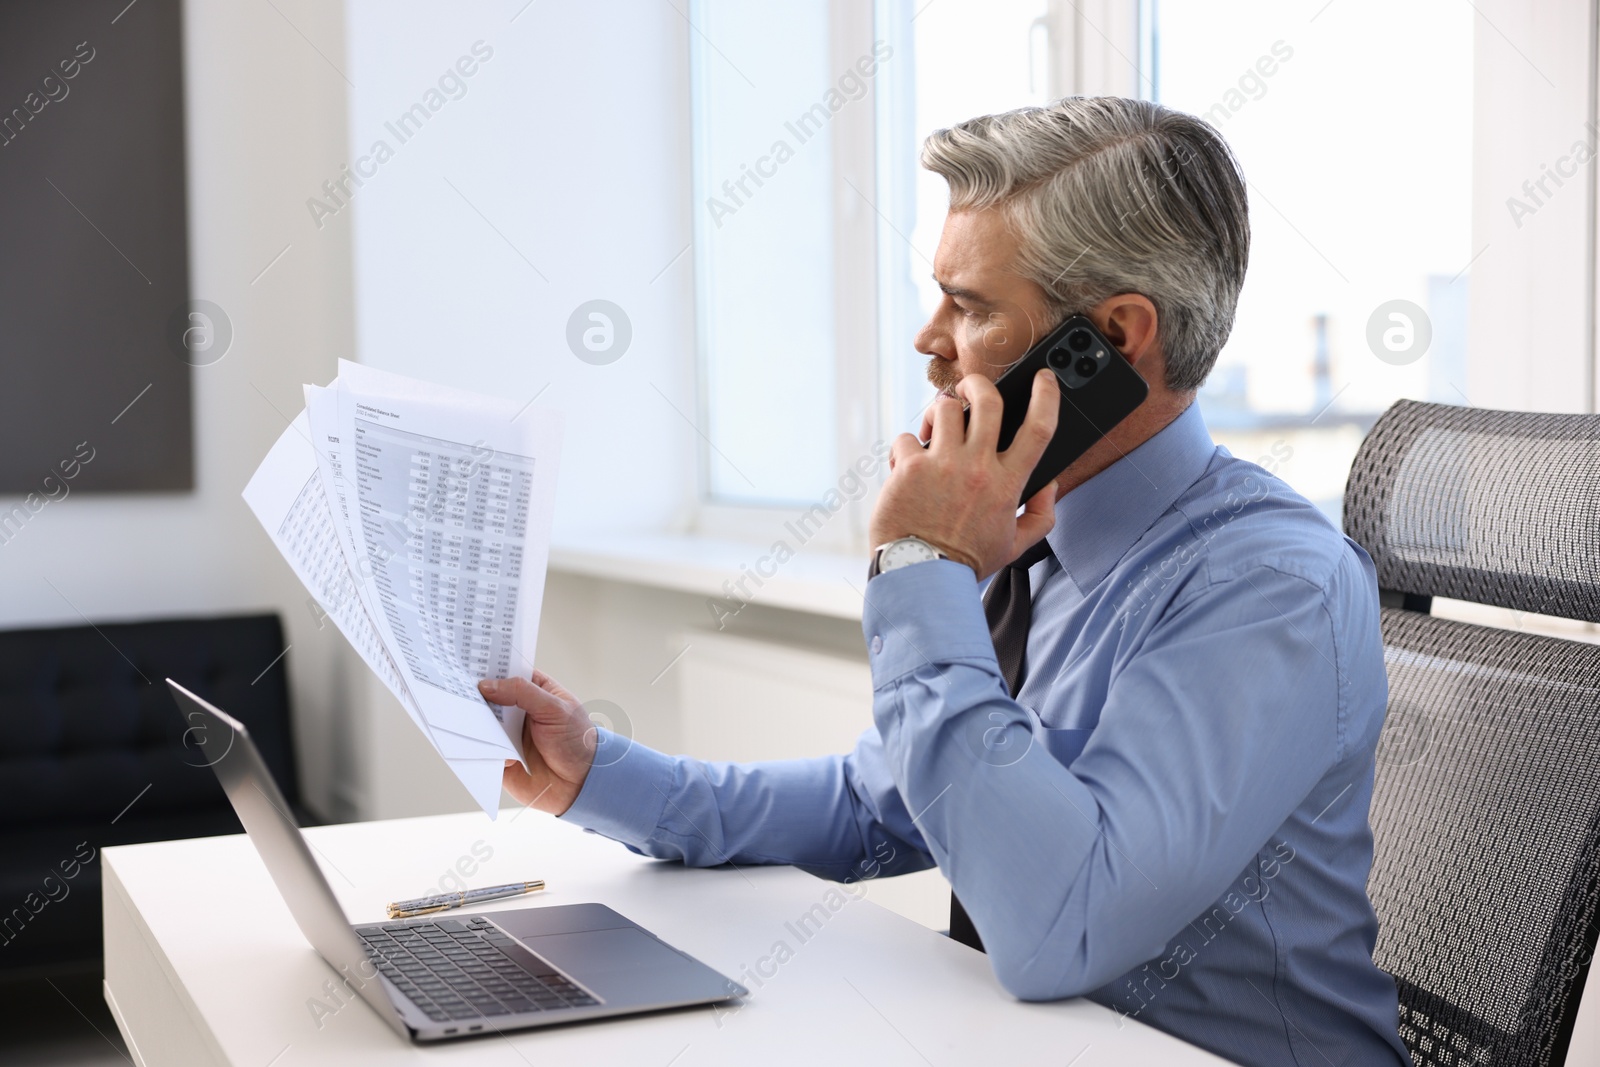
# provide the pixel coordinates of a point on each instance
(989, 316)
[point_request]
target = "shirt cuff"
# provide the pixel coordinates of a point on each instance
(922, 615)
(625, 791)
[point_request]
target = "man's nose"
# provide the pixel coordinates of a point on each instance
(931, 341)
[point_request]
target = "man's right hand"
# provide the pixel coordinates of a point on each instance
(557, 738)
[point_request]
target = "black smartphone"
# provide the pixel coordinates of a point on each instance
(1099, 388)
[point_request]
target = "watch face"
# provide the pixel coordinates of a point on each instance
(906, 551)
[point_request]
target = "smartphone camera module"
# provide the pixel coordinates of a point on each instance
(1075, 368)
(1079, 358)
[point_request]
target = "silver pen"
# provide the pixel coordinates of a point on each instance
(405, 909)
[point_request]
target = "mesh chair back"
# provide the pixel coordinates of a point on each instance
(1494, 507)
(1486, 806)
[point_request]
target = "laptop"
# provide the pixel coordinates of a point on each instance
(452, 975)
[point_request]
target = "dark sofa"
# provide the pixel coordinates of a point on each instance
(93, 753)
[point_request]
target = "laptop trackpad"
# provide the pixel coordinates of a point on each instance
(626, 963)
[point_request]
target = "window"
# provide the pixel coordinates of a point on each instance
(1360, 181)
(806, 127)
(1372, 206)
(954, 61)
(764, 256)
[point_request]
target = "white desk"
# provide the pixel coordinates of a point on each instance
(205, 966)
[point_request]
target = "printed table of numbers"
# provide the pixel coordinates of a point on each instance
(444, 530)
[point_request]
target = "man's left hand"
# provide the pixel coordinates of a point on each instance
(960, 494)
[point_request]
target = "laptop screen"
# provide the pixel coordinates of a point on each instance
(226, 747)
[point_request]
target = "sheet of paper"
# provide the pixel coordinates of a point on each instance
(322, 412)
(323, 415)
(418, 517)
(483, 778)
(451, 498)
(286, 495)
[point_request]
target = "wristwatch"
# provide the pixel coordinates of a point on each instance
(902, 552)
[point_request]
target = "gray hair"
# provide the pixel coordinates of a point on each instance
(1108, 195)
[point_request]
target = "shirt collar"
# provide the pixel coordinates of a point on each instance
(1099, 521)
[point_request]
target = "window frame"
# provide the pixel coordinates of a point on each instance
(852, 135)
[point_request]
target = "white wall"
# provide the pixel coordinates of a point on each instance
(756, 699)
(561, 176)
(266, 122)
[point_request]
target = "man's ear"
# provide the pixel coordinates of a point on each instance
(1129, 321)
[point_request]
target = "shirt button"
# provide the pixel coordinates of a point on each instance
(877, 644)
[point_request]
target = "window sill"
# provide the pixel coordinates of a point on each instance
(815, 582)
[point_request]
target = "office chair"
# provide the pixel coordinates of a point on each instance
(1486, 808)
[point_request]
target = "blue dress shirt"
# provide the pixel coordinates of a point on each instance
(1170, 819)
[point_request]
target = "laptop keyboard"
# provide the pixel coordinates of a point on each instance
(455, 969)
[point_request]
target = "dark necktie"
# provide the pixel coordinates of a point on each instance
(1008, 605)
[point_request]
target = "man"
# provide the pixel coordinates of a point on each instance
(1171, 816)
